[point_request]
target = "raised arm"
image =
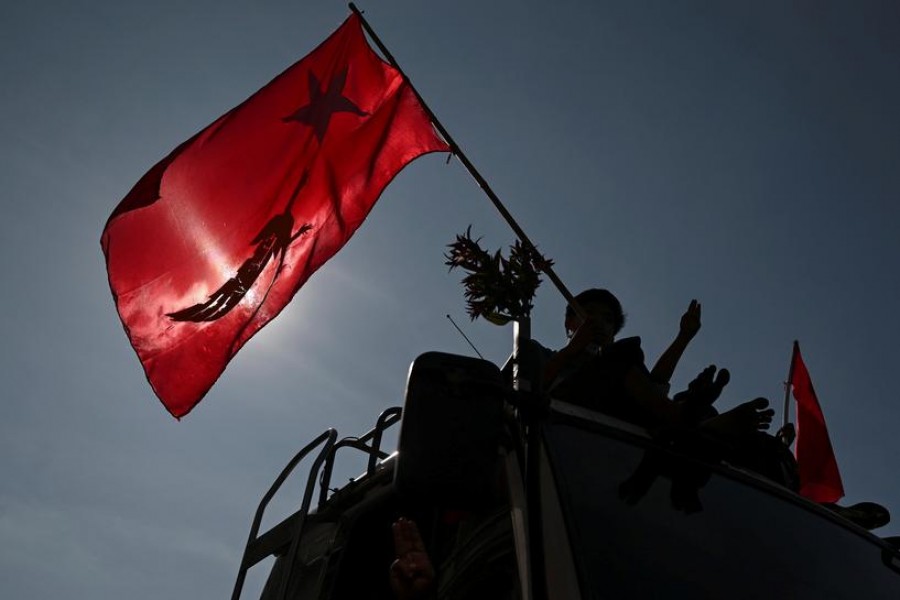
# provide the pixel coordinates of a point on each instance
(688, 328)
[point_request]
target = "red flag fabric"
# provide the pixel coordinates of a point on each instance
(215, 240)
(820, 479)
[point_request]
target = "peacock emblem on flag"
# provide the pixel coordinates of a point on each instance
(273, 240)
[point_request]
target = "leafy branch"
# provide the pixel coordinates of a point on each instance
(496, 288)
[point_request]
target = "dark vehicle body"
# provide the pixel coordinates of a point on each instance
(517, 499)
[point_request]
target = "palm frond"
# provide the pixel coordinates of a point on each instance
(496, 288)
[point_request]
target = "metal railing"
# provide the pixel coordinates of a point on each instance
(257, 547)
(291, 529)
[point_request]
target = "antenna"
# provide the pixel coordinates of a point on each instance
(465, 337)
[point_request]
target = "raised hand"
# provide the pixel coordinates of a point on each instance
(690, 320)
(745, 419)
(787, 434)
(412, 574)
(688, 327)
(705, 387)
(757, 414)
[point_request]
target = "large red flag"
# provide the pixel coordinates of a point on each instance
(215, 240)
(820, 479)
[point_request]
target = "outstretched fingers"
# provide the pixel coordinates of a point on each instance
(708, 385)
(760, 413)
(690, 320)
(412, 572)
(704, 378)
(722, 379)
(406, 537)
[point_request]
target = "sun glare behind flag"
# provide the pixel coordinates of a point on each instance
(215, 240)
(820, 479)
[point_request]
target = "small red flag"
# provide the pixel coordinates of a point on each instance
(820, 479)
(215, 240)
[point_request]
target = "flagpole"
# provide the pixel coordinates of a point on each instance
(457, 151)
(787, 433)
(787, 385)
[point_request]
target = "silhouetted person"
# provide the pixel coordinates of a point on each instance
(599, 372)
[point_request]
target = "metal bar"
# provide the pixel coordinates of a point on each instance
(373, 449)
(535, 517)
(328, 437)
(385, 420)
(787, 385)
(457, 151)
(304, 510)
(325, 477)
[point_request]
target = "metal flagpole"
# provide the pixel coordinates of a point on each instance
(787, 385)
(457, 151)
(787, 433)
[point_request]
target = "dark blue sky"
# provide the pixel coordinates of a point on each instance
(744, 154)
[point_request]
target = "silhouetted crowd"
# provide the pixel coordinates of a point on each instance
(596, 371)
